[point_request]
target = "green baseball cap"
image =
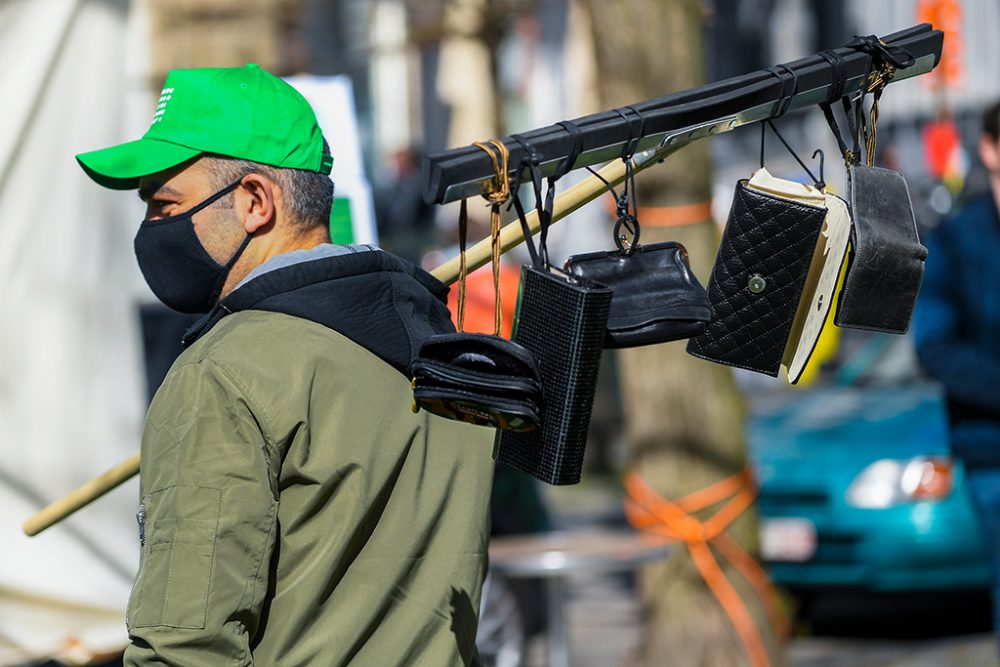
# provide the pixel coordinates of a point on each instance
(240, 112)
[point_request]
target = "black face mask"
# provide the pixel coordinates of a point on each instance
(176, 265)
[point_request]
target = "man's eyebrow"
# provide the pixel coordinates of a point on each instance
(147, 191)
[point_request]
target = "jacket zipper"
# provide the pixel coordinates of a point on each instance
(140, 517)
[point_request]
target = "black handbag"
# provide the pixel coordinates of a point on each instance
(885, 265)
(478, 378)
(655, 297)
(758, 279)
(561, 320)
(886, 259)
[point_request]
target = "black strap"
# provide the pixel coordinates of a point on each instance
(529, 163)
(545, 212)
(839, 69)
(785, 101)
(897, 56)
(880, 56)
(627, 204)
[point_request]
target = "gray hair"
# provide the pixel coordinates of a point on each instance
(308, 195)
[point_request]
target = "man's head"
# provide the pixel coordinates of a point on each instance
(238, 133)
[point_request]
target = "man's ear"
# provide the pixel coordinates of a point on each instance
(989, 153)
(256, 199)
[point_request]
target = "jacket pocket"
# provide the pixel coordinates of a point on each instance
(173, 585)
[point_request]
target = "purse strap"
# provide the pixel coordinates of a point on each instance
(543, 205)
(883, 61)
(783, 104)
(626, 230)
(496, 194)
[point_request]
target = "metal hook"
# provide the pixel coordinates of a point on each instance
(821, 184)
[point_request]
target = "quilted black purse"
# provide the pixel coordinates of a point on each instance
(758, 279)
(478, 378)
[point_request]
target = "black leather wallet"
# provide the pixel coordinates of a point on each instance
(655, 297)
(885, 265)
(757, 280)
(478, 379)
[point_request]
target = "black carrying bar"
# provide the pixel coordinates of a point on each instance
(679, 118)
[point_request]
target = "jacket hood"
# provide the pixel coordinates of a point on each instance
(378, 300)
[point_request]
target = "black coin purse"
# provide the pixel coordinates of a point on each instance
(478, 379)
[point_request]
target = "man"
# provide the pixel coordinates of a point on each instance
(957, 330)
(294, 510)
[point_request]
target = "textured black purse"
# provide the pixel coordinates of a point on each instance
(561, 320)
(758, 279)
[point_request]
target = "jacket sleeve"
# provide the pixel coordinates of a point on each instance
(969, 373)
(207, 523)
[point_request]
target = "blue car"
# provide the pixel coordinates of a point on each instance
(858, 491)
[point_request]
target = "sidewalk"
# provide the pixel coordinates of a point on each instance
(603, 624)
(603, 621)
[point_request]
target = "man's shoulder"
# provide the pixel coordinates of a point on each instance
(252, 340)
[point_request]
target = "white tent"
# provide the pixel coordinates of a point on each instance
(71, 397)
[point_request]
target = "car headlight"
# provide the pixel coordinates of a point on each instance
(889, 482)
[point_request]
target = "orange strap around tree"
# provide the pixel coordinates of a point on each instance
(648, 511)
(678, 215)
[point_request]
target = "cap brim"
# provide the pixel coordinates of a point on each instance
(120, 167)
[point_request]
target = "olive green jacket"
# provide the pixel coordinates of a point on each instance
(295, 511)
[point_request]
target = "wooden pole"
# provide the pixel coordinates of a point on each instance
(478, 255)
(82, 496)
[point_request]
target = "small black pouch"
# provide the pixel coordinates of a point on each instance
(757, 280)
(478, 379)
(656, 297)
(886, 262)
(561, 321)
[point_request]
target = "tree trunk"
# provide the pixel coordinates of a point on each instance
(225, 33)
(684, 416)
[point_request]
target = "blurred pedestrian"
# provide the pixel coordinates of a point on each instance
(294, 510)
(957, 329)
